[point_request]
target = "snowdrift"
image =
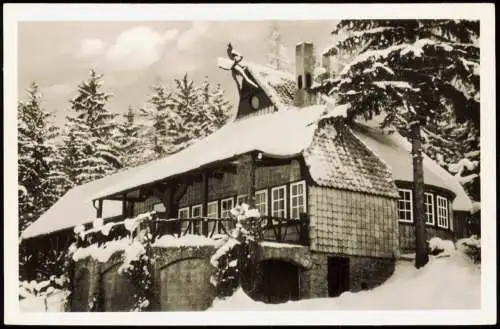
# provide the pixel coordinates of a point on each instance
(449, 281)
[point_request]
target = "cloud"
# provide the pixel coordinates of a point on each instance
(92, 47)
(188, 38)
(138, 48)
(58, 90)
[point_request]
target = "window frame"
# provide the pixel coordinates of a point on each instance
(405, 210)
(197, 206)
(284, 200)
(266, 201)
(304, 195)
(196, 225)
(211, 203)
(182, 210)
(241, 196)
(229, 210)
(433, 222)
(446, 208)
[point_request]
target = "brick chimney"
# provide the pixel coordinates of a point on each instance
(304, 73)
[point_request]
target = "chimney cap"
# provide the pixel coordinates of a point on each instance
(304, 43)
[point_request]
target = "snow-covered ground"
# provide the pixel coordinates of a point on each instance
(446, 282)
(451, 280)
(53, 302)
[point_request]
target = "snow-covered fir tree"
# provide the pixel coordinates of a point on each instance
(278, 57)
(413, 71)
(129, 139)
(189, 106)
(38, 174)
(217, 109)
(161, 124)
(89, 148)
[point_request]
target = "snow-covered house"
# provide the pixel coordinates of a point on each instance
(341, 193)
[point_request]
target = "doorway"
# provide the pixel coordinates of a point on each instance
(338, 275)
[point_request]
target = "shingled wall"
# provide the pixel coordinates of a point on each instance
(352, 223)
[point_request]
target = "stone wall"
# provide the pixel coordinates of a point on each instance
(369, 271)
(352, 223)
(181, 278)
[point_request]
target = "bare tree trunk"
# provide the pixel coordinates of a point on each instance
(421, 256)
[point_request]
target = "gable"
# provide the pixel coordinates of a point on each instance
(338, 159)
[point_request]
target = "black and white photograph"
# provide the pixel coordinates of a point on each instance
(219, 159)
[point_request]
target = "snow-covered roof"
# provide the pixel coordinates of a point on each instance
(395, 150)
(278, 134)
(75, 208)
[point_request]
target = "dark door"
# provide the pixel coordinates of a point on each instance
(279, 282)
(338, 275)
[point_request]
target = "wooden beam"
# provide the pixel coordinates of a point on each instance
(124, 208)
(251, 187)
(99, 208)
(204, 196)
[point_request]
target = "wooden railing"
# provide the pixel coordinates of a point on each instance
(267, 228)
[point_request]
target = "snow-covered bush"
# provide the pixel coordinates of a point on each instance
(471, 246)
(438, 246)
(235, 257)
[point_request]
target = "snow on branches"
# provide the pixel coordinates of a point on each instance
(234, 259)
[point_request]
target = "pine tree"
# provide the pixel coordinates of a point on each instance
(189, 107)
(161, 125)
(413, 71)
(277, 56)
(37, 174)
(128, 139)
(217, 109)
(90, 150)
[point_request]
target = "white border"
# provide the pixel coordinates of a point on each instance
(14, 13)
(284, 199)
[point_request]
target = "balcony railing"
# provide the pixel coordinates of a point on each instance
(267, 228)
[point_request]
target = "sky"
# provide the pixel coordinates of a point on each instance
(134, 55)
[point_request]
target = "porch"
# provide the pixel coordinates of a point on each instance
(266, 228)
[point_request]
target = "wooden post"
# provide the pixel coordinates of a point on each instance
(99, 209)
(124, 207)
(251, 185)
(204, 211)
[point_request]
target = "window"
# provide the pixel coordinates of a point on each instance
(405, 206)
(442, 212)
(196, 212)
(261, 202)
(212, 210)
(241, 199)
(183, 213)
(225, 207)
(429, 209)
(299, 82)
(297, 199)
(278, 201)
